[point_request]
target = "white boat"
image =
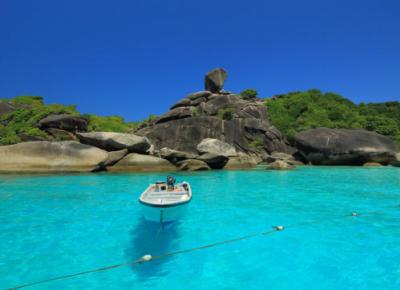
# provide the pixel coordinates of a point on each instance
(165, 201)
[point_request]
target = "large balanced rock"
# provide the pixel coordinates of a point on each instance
(210, 145)
(140, 162)
(192, 165)
(112, 141)
(214, 80)
(44, 156)
(323, 146)
(64, 122)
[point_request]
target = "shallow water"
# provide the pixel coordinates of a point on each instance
(58, 225)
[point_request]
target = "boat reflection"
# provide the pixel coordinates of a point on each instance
(153, 239)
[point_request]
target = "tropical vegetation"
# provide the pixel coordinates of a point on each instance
(248, 94)
(290, 113)
(29, 110)
(299, 111)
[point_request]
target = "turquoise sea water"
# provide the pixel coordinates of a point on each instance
(58, 225)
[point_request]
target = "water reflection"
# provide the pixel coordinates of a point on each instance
(152, 238)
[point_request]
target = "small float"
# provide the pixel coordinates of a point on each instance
(166, 201)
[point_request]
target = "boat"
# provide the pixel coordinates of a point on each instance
(166, 201)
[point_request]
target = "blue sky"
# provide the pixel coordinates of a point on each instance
(133, 58)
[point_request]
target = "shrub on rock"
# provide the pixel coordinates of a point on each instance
(249, 94)
(225, 114)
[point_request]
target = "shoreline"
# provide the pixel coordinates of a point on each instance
(257, 168)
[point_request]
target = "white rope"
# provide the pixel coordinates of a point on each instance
(149, 258)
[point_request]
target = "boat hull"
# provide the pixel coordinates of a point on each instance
(164, 214)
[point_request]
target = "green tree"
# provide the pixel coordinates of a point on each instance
(110, 124)
(248, 94)
(24, 119)
(225, 114)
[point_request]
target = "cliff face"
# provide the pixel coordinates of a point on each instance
(248, 129)
(220, 115)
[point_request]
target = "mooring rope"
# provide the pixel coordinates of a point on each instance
(148, 258)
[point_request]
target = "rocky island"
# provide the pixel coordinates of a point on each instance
(210, 129)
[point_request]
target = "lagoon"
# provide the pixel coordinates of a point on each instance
(54, 225)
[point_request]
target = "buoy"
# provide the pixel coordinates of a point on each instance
(354, 214)
(279, 228)
(146, 258)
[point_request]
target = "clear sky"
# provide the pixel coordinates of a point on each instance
(137, 57)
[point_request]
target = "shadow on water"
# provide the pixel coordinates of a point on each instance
(150, 238)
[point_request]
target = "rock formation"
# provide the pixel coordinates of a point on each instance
(215, 79)
(211, 129)
(112, 141)
(242, 161)
(280, 165)
(44, 156)
(175, 156)
(64, 122)
(59, 134)
(372, 164)
(323, 146)
(192, 165)
(26, 138)
(113, 157)
(6, 107)
(275, 156)
(215, 161)
(210, 145)
(396, 162)
(139, 162)
(243, 124)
